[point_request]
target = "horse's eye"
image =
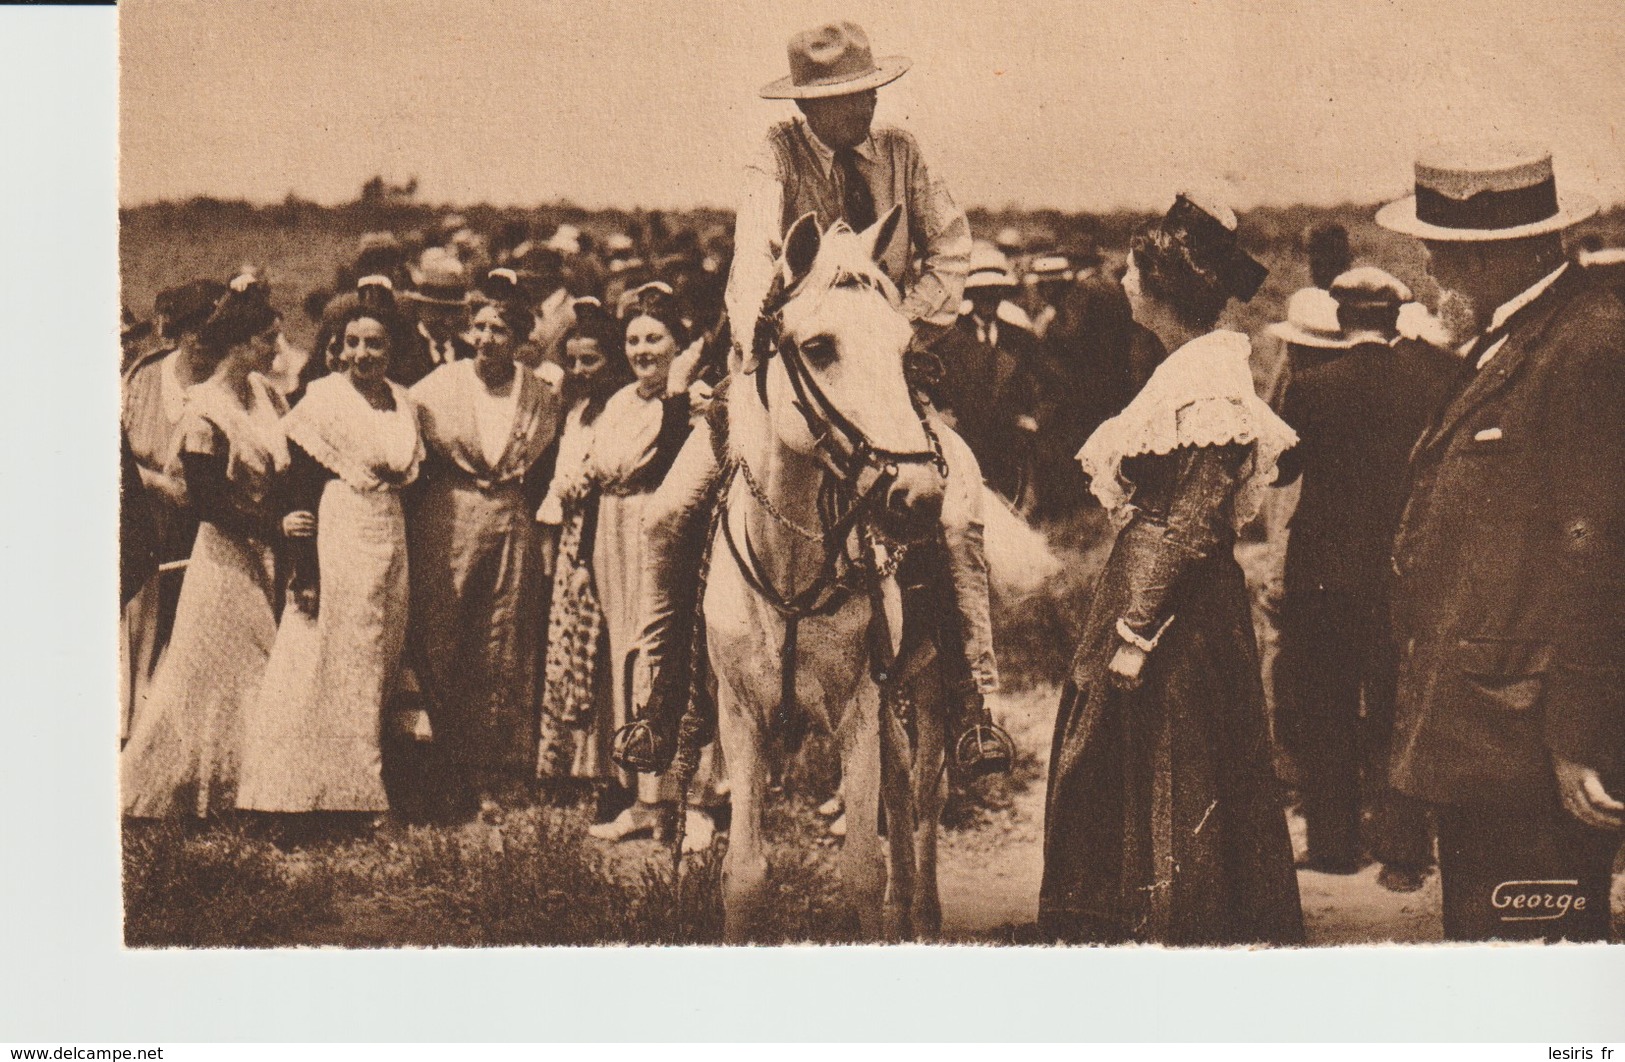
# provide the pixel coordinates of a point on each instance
(819, 350)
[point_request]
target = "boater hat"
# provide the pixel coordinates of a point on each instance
(833, 60)
(1467, 193)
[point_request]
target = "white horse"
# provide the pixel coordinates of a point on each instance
(828, 456)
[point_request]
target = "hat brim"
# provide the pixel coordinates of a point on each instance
(1401, 217)
(430, 300)
(1291, 333)
(885, 72)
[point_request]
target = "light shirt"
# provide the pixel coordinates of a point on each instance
(493, 417)
(440, 351)
(170, 389)
(897, 174)
(1504, 313)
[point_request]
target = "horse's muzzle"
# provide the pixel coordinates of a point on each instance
(913, 501)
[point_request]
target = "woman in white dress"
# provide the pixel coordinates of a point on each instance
(185, 745)
(314, 739)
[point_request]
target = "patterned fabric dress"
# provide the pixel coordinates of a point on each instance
(185, 744)
(313, 744)
(576, 700)
(1164, 822)
(476, 569)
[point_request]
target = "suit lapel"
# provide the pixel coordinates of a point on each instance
(1523, 332)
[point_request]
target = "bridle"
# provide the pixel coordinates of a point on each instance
(843, 448)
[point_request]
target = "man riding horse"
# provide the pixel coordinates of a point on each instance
(831, 162)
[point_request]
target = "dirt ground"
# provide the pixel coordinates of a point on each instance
(990, 875)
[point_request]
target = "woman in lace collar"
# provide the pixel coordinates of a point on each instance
(1164, 820)
(353, 443)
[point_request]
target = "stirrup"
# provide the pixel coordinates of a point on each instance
(984, 748)
(639, 748)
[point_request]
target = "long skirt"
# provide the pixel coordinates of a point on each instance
(185, 743)
(313, 740)
(476, 613)
(576, 718)
(1164, 820)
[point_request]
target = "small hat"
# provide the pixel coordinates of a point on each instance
(833, 60)
(440, 279)
(989, 268)
(565, 240)
(1199, 219)
(1009, 238)
(1050, 267)
(1467, 193)
(1311, 321)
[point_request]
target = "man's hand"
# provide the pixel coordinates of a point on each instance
(301, 524)
(1584, 796)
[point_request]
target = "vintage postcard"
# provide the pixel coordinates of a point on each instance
(993, 474)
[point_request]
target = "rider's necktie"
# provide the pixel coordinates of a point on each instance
(857, 201)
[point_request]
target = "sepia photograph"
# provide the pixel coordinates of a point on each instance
(1005, 474)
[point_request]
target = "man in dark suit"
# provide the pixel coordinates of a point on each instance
(1359, 398)
(1510, 560)
(1094, 361)
(987, 388)
(440, 299)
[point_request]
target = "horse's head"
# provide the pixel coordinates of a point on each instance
(832, 377)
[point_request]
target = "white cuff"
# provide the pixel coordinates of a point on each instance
(1144, 645)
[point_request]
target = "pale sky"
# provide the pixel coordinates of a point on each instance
(1089, 104)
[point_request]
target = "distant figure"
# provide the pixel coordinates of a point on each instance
(1327, 247)
(988, 389)
(1509, 599)
(1359, 399)
(440, 298)
(1090, 371)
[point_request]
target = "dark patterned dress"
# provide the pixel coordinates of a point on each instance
(1164, 821)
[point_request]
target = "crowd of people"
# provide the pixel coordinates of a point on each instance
(471, 517)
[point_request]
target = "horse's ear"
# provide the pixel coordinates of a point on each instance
(801, 245)
(878, 237)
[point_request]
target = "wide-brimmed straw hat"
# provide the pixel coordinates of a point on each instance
(1311, 321)
(1361, 306)
(834, 60)
(989, 268)
(439, 280)
(1480, 192)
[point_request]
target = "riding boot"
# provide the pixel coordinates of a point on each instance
(980, 746)
(673, 540)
